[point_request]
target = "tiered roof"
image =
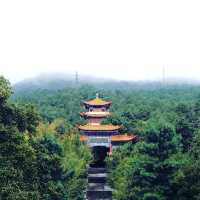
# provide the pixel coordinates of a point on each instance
(122, 138)
(114, 138)
(97, 102)
(99, 127)
(95, 125)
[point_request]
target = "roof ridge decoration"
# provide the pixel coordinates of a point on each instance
(97, 102)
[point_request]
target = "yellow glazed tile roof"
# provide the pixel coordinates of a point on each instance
(114, 138)
(97, 102)
(117, 138)
(99, 127)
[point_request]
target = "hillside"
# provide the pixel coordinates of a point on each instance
(58, 81)
(163, 164)
(55, 81)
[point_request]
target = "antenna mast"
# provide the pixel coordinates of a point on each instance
(76, 77)
(163, 75)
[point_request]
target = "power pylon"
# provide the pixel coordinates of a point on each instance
(76, 77)
(164, 75)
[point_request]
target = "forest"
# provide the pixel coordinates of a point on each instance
(41, 156)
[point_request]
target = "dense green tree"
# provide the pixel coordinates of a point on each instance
(51, 175)
(162, 165)
(187, 181)
(18, 172)
(188, 121)
(5, 89)
(148, 172)
(32, 166)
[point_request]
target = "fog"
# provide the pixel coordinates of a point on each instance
(123, 40)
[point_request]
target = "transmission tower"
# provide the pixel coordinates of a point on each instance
(164, 75)
(76, 77)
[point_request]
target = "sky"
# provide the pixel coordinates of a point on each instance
(121, 39)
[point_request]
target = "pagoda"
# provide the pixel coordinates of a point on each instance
(101, 138)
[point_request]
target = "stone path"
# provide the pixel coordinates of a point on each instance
(97, 188)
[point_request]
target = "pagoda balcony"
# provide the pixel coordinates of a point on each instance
(95, 114)
(115, 139)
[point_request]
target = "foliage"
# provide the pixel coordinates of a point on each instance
(163, 164)
(5, 89)
(34, 160)
(147, 172)
(74, 157)
(187, 182)
(18, 173)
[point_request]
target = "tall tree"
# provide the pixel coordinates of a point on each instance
(187, 182)
(148, 172)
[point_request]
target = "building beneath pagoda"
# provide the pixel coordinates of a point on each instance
(101, 138)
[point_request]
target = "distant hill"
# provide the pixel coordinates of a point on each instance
(58, 81)
(55, 81)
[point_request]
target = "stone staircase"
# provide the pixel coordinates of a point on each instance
(97, 188)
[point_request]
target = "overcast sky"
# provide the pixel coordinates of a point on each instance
(121, 39)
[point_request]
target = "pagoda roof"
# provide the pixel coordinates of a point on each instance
(122, 138)
(114, 138)
(97, 102)
(94, 114)
(99, 127)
